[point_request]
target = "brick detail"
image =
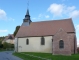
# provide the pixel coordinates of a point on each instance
(61, 35)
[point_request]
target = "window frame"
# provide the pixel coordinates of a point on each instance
(42, 40)
(27, 41)
(61, 44)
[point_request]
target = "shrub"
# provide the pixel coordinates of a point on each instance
(12, 45)
(78, 49)
(5, 45)
(1, 46)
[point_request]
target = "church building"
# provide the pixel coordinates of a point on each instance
(57, 37)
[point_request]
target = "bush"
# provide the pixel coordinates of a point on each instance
(8, 46)
(78, 49)
(12, 45)
(0, 43)
(5, 45)
(1, 46)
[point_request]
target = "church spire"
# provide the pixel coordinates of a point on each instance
(27, 13)
(27, 20)
(27, 16)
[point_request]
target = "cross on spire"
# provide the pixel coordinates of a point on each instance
(28, 4)
(27, 13)
(26, 20)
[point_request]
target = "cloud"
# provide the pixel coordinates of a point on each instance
(71, 8)
(33, 18)
(77, 27)
(78, 45)
(11, 19)
(47, 16)
(41, 15)
(56, 9)
(77, 42)
(74, 14)
(61, 10)
(3, 31)
(3, 16)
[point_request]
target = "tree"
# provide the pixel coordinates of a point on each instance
(5, 45)
(0, 42)
(16, 30)
(1, 46)
(2, 38)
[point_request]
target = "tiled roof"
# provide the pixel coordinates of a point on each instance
(9, 37)
(45, 28)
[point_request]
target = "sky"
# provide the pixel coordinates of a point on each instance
(12, 13)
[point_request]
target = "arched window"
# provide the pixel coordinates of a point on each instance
(42, 41)
(61, 44)
(27, 41)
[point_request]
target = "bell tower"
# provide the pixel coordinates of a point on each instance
(27, 20)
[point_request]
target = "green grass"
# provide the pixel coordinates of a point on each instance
(24, 57)
(46, 55)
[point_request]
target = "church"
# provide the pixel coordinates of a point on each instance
(57, 37)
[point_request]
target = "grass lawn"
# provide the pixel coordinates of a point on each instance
(46, 55)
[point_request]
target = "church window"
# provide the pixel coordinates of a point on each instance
(42, 41)
(61, 44)
(27, 41)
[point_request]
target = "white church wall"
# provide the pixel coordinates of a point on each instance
(35, 45)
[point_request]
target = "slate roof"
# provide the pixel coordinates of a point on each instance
(46, 28)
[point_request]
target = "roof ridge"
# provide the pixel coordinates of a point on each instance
(53, 20)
